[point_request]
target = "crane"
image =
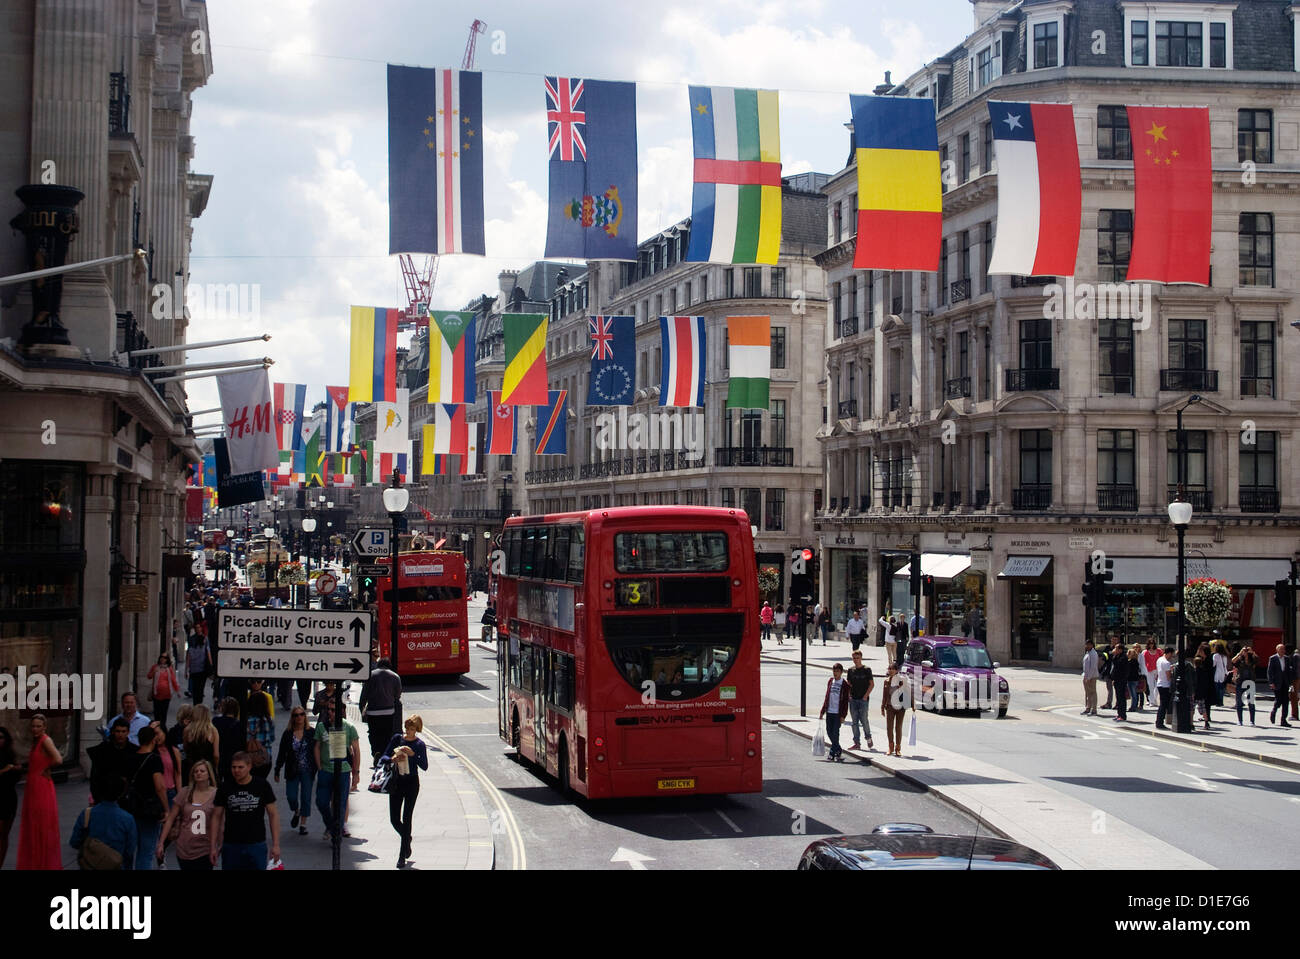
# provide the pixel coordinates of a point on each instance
(475, 28)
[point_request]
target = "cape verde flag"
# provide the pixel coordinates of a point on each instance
(290, 401)
(502, 420)
(435, 161)
(552, 424)
(613, 360)
(683, 360)
(1040, 193)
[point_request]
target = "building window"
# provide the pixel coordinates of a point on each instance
(1255, 249)
(836, 318)
(1139, 55)
(986, 371)
(984, 67)
(778, 282)
(753, 282)
(1115, 357)
(1256, 358)
(1218, 45)
(943, 167)
(986, 244)
(774, 516)
(1197, 458)
(751, 502)
(688, 293)
(852, 312)
(1036, 344)
(777, 413)
(751, 429)
(963, 354)
(943, 271)
(726, 351)
(1115, 458)
(1178, 44)
(964, 141)
(704, 287)
(1035, 457)
(1258, 462)
(1255, 136)
(728, 284)
(659, 311)
(1187, 344)
(728, 498)
(778, 347)
(1114, 243)
(853, 214)
(1114, 141)
(986, 137)
(1045, 36)
(963, 263)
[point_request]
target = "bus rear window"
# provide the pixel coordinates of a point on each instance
(425, 594)
(646, 552)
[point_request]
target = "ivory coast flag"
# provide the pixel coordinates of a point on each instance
(749, 351)
(524, 382)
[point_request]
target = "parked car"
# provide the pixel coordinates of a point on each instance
(914, 846)
(340, 598)
(958, 673)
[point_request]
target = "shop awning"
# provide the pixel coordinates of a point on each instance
(1163, 570)
(938, 565)
(1021, 567)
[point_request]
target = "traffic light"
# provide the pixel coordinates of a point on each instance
(916, 574)
(1282, 593)
(1089, 590)
(927, 584)
(1099, 582)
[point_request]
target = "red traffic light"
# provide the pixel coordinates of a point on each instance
(807, 555)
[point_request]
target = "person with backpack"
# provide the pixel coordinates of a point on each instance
(165, 684)
(198, 666)
(147, 795)
(105, 835)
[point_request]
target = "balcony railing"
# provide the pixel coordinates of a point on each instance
(959, 290)
(1200, 381)
(864, 504)
(956, 388)
(936, 499)
(753, 456)
(954, 499)
(475, 513)
(558, 474)
(1113, 498)
(1202, 500)
(1257, 499)
(893, 401)
(848, 409)
(1034, 496)
(1018, 381)
(847, 326)
(981, 498)
(119, 104)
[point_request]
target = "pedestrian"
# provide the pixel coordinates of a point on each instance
(778, 623)
(792, 622)
(238, 832)
(165, 685)
(230, 737)
(408, 755)
(147, 795)
(917, 624)
(190, 818)
(381, 707)
(1091, 673)
(200, 742)
(894, 701)
(115, 757)
(1295, 683)
(325, 695)
(901, 637)
(38, 837)
(1280, 678)
(835, 707)
(1106, 668)
(1164, 666)
(824, 623)
(135, 720)
(257, 691)
(765, 617)
(1244, 663)
(887, 631)
(1150, 656)
(259, 728)
(170, 757)
(1221, 669)
(1119, 675)
(1135, 680)
(105, 834)
(853, 629)
(10, 772)
(1204, 677)
(325, 778)
(296, 757)
(861, 682)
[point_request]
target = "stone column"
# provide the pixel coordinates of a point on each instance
(95, 593)
(130, 556)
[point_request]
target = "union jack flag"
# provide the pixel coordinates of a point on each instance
(565, 122)
(602, 337)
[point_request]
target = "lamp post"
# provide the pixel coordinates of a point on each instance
(309, 527)
(272, 568)
(395, 499)
(505, 501)
(230, 556)
(1180, 514)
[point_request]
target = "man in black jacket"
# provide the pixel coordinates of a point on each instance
(381, 707)
(1279, 677)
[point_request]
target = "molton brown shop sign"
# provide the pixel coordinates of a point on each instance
(133, 598)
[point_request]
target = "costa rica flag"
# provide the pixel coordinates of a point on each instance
(683, 342)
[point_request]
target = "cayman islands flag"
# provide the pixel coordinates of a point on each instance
(290, 402)
(1040, 191)
(524, 381)
(451, 358)
(373, 372)
(683, 342)
(435, 161)
(749, 346)
(501, 424)
(736, 203)
(613, 360)
(900, 205)
(552, 424)
(591, 135)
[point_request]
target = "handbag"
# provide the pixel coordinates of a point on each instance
(819, 743)
(95, 854)
(257, 754)
(382, 778)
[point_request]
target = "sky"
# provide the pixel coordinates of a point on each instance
(292, 127)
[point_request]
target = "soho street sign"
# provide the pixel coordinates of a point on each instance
(295, 644)
(371, 542)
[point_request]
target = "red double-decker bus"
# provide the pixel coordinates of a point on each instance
(432, 621)
(628, 652)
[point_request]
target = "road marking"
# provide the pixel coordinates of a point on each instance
(1144, 746)
(1200, 783)
(518, 856)
(634, 859)
(1166, 755)
(1196, 765)
(1225, 775)
(727, 820)
(491, 699)
(490, 672)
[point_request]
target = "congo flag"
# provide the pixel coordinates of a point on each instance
(524, 382)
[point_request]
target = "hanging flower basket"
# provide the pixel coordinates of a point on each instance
(255, 569)
(1206, 601)
(290, 573)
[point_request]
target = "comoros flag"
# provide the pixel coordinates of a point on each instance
(683, 343)
(1040, 193)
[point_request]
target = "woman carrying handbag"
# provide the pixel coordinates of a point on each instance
(407, 756)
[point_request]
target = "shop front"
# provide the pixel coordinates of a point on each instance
(1032, 607)
(955, 601)
(847, 588)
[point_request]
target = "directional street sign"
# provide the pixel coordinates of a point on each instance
(298, 644)
(372, 569)
(371, 542)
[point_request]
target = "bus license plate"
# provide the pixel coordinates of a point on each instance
(677, 784)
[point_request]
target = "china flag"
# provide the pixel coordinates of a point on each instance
(1172, 187)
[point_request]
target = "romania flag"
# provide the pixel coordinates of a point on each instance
(373, 375)
(524, 382)
(900, 202)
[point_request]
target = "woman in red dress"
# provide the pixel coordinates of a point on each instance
(38, 842)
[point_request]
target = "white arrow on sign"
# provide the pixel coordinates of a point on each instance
(370, 541)
(253, 663)
(634, 859)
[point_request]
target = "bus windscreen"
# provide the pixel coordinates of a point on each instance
(673, 552)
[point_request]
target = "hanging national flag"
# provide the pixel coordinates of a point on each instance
(1173, 200)
(552, 424)
(290, 401)
(312, 454)
(359, 463)
(900, 205)
(338, 419)
(246, 409)
(683, 360)
(428, 517)
(749, 348)
(471, 463)
(591, 132)
(613, 360)
(524, 381)
(210, 470)
(736, 204)
(433, 462)
(383, 464)
(392, 430)
(449, 429)
(501, 426)
(373, 374)
(451, 358)
(1040, 192)
(435, 161)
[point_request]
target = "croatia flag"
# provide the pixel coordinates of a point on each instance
(1040, 194)
(683, 360)
(552, 424)
(501, 426)
(290, 399)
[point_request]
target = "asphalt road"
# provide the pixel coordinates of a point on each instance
(802, 799)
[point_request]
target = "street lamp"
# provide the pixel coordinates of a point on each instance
(1180, 514)
(395, 499)
(309, 527)
(270, 572)
(230, 556)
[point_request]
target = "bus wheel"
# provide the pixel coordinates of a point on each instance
(514, 729)
(562, 772)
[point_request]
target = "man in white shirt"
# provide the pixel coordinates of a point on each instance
(835, 708)
(854, 629)
(1164, 686)
(1090, 675)
(135, 719)
(888, 626)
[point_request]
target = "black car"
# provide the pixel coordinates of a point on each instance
(907, 846)
(339, 598)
